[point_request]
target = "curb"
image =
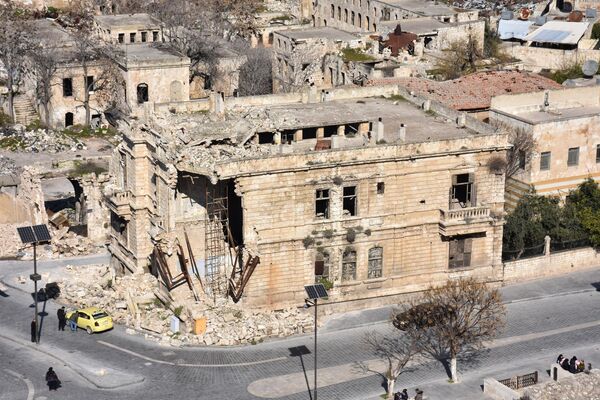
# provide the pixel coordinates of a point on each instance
(70, 365)
(550, 295)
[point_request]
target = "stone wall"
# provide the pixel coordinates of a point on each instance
(536, 58)
(549, 265)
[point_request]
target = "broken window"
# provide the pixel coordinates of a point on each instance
(349, 265)
(322, 203)
(119, 227)
(459, 253)
(144, 37)
(322, 266)
(142, 93)
(67, 87)
(132, 37)
(375, 263)
(287, 137)
(121, 38)
(545, 158)
(349, 201)
(522, 159)
(266, 137)
(68, 119)
(573, 156)
(155, 36)
(89, 83)
(463, 192)
(380, 187)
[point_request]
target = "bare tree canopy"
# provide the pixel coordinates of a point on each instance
(519, 156)
(454, 320)
(460, 58)
(44, 65)
(256, 76)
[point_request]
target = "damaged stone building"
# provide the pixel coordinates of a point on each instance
(374, 197)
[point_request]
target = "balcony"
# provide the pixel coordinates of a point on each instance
(119, 203)
(464, 220)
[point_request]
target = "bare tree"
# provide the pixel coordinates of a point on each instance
(44, 65)
(107, 82)
(460, 58)
(454, 320)
(15, 42)
(256, 75)
(520, 155)
(396, 350)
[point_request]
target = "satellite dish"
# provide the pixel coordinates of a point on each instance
(590, 67)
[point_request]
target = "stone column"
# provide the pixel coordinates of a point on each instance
(298, 135)
(341, 130)
(547, 241)
(320, 133)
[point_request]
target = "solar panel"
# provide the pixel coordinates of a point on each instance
(41, 233)
(26, 234)
(316, 291)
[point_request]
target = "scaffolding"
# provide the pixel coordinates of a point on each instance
(216, 240)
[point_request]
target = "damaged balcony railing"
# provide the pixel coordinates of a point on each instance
(161, 268)
(465, 214)
(240, 276)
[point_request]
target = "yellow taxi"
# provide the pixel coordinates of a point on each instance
(92, 319)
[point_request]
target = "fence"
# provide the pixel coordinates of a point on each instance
(546, 248)
(521, 381)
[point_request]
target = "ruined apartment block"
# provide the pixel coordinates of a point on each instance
(376, 197)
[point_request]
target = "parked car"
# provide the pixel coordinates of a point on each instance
(92, 319)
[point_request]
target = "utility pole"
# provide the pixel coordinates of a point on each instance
(315, 292)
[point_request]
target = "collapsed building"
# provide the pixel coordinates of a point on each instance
(259, 196)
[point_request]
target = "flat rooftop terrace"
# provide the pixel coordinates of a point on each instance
(325, 32)
(555, 115)
(423, 7)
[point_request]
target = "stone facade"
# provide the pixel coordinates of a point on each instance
(128, 28)
(564, 124)
(377, 214)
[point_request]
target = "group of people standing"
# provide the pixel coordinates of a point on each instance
(62, 320)
(403, 395)
(573, 365)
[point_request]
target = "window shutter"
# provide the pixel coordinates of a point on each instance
(468, 243)
(473, 195)
(454, 179)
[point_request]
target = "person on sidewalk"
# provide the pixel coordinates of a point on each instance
(62, 319)
(73, 321)
(418, 394)
(52, 379)
(33, 331)
(404, 394)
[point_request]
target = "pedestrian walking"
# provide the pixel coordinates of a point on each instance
(33, 331)
(52, 379)
(73, 321)
(62, 319)
(418, 394)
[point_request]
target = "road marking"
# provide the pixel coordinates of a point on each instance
(133, 353)
(30, 388)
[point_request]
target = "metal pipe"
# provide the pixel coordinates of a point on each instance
(316, 301)
(37, 326)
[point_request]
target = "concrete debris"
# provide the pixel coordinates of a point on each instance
(132, 302)
(7, 165)
(579, 386)
(37, 140)
(69, 244)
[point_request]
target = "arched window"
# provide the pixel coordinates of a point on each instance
(375, 263)
(332, 11)
(352, 19)
(68, 119)
(339, 13)
(345, 15)
(368, 22)
(359, 21)
(349, 265)
(324, 22)
(142, 93)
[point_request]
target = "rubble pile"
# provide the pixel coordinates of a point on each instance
(37, 140)
(580, 386)
(69, 244)
(7, 165)
(131, 300)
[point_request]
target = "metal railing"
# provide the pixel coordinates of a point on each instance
(521, 381)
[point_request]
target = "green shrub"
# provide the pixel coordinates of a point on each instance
(355, 55)
(596, 31)
(326, 283)
(4, 119)
(572, 71)
(177, 311)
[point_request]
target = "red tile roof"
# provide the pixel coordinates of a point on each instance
(474, 91)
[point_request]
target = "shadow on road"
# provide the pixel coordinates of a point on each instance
(3, 294)
(596, 285)
(300, 351)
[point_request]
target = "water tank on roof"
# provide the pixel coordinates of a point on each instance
(540, 20)
(507, 14)
(590, 13)
(590, 67)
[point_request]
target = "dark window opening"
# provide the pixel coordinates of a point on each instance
(349, 265)
(287, 137)
(522, 159)
(132, 38)
(322, 266)
(67, 87)
(375, 269)
(142, 93)
(309, 133)
(462, 193)
(119, 226)
(545, 158)
(380, 187)
(144, 37)
(155, 36)
(459, 254)
(330, 131)
(89, 83)
(236, 214)
(349, 202)
(351, 130)
(265, 137)
(573, 156)
(121, 38)
(598, 153)
(68, 119)
(322, 203)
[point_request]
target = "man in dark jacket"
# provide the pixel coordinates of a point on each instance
(52, 379)
(62, 319)
(33, 331)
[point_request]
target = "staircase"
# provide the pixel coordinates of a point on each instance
(25, 112)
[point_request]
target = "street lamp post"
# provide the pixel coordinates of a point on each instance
(314, 292)
(34, 235)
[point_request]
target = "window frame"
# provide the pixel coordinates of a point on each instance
(349, 258)
(326, 199)
(467, 253)
(597, 153)
(70, 91)
(350, 198)
(545, 160)
(570, 162)
(375, 263)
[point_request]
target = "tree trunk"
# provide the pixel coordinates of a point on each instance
(47, 117)
(86, 96)
(453, 373)
(390, 388)
(11, 99)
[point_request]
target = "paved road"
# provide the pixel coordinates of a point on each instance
(552, 321)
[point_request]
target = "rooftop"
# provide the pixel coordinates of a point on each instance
(475, 91)
(419, 26)
(325, 32)
(131, 21)
(558, 32)
(423, 7)
(51, 32)
(147, 52)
